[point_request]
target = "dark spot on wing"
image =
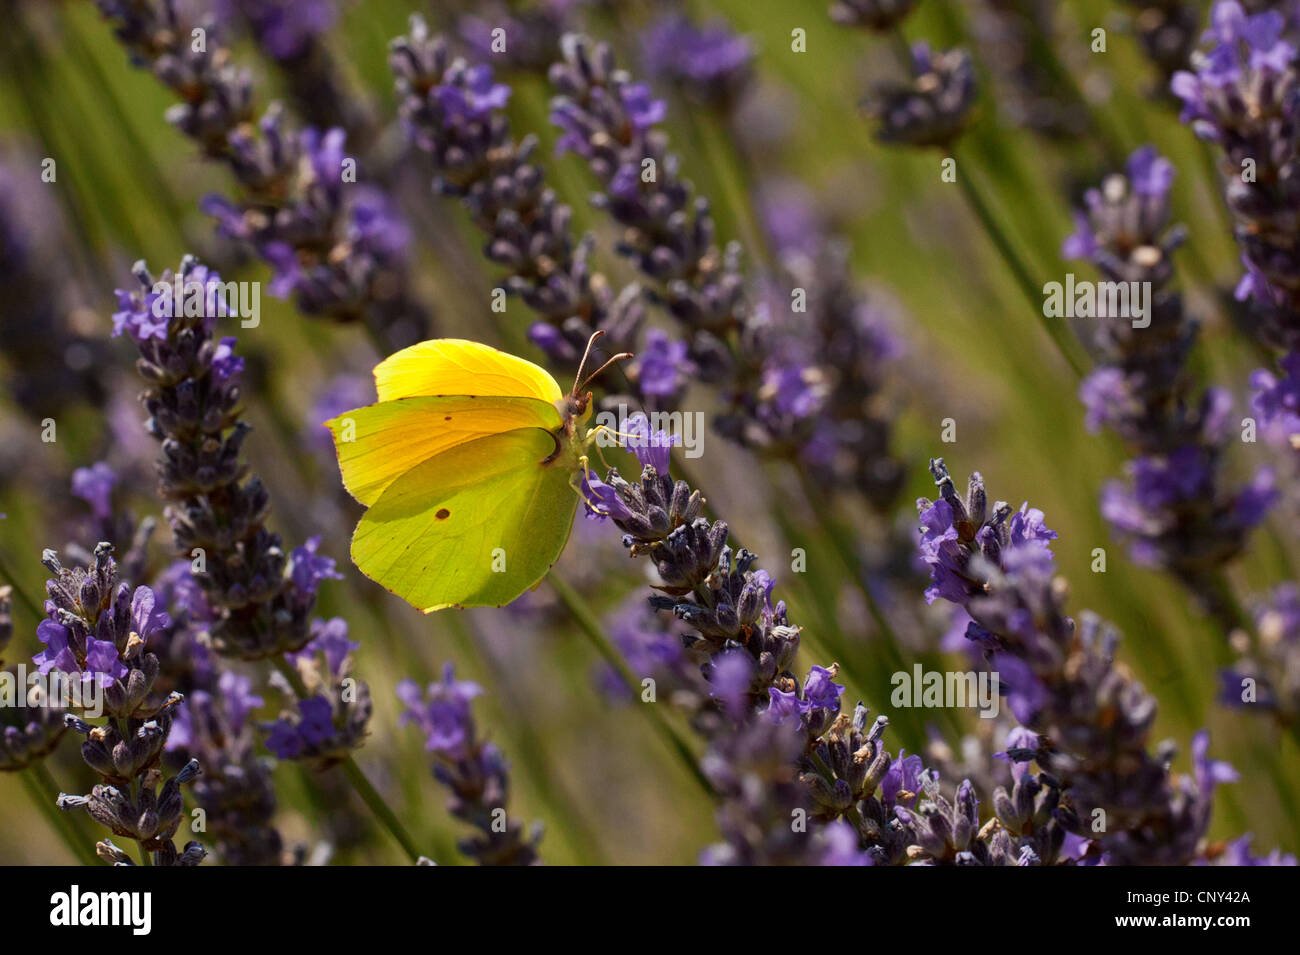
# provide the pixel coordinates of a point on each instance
(442, 514)
(448, 418)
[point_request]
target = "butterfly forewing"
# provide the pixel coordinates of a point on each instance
(379, 443)
(453, 366)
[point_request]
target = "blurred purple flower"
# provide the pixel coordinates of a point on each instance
(711, 61)
(442, 712)
(663, 364)
(307, 568)
(329, 637)
(94, 485)
(1276, 401)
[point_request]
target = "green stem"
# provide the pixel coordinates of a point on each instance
(848, 554)
(726, 169)
(44, 792)
(1015, 264)
(364, 788)
(901, 49)
(23, 597)
(142, 159)
(590, 627)
(528, 745)
(371, 797)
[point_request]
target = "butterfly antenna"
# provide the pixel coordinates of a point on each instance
(617, 358)
(585, 355)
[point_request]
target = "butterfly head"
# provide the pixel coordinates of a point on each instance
(575, 407)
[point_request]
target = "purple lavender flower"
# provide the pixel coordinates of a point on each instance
(259, 606)
(330, 638)
(1241, 95)
(1062, 684)
(332, 710)
(842, 846)
(97, 663)
(238, 700)
(94, 485)
(99, 629)
(761, 721)
(307, 567)
(933, 106)
(834, 417)
(652, 448)
(473, 771)
(1237, 852)
(442, 712)
(474, 99)
(1178, 512)
(213, 725)
(821, 690)
(663, 365)
(653, 649)
(1266, 675)
(454, 112)
(289, 738)
(877, 15)
(731, 684)
(774, 398)
(1276, 401)
(710, 62)
(612, 122)
(285, 29)
(956, 532)
(601, 500)
(331, 249)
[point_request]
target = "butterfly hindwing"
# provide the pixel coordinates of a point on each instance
(379, 443)
(476, 525)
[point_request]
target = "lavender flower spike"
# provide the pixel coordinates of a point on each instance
(473, 770)
(1177, 511)
(99, 631)
(212, 725)
(337, 252)
(1091, 719)
(1243, 95)
(610, 121)
(331, 721)
(1276, 401)
(260, 600)
(1266, 675)
(933, 107)
(455, 113)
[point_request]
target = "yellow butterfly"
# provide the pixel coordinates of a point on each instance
(468, 465)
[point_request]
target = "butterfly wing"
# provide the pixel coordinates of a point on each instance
(454, 366)
(379, 443)
(476, 525)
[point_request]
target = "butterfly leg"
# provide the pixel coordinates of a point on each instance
(575, 482)
(591, 439)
